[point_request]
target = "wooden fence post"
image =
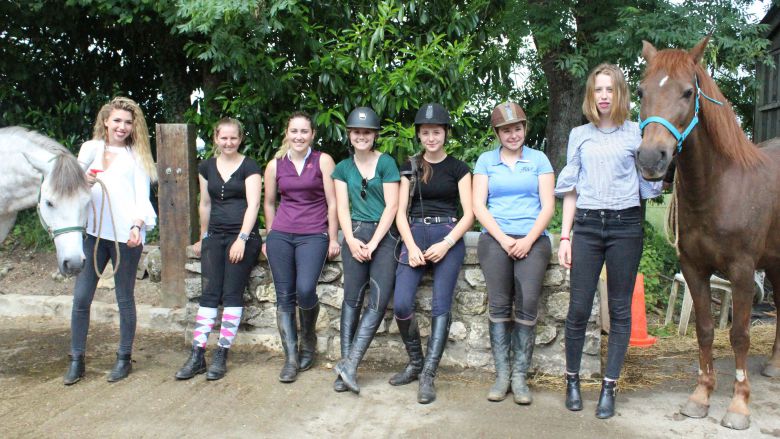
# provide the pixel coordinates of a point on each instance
(177, 203)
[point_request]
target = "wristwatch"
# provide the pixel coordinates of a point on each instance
(243, 236)
(205, 235)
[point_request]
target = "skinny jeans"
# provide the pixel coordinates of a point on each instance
(515, 282)
(445, 272)
(84, 292)
(614, 237)
(296, 262)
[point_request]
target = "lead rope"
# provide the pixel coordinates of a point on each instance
(672, 221)
(104, 197)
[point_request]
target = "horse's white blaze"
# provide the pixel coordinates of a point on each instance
(663, 81)
(741, 375)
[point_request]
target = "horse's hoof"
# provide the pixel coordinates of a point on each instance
(736, 421)
(693, 409)
(771, 371)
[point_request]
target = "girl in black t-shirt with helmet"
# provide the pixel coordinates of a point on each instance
(431, 239)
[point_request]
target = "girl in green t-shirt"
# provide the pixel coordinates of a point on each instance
(366, 200)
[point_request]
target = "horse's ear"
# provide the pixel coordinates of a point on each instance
(697, 52)
(39, 162)
(648, 51)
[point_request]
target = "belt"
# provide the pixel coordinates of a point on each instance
(433, 220)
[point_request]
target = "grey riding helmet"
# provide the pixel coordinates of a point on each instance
(432, 113)
(363, 117)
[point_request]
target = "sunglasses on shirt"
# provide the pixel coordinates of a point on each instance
(363, 187)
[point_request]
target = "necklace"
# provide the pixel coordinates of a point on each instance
(607, 132)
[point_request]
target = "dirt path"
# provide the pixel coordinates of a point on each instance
(250, 402)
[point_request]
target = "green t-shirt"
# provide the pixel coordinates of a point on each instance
(371, 207)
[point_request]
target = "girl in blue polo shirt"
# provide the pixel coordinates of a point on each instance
(514, 201)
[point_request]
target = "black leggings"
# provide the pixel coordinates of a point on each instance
(224, 281)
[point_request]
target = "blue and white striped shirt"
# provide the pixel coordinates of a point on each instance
(602, 168)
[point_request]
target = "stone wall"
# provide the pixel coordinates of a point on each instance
(469, 343)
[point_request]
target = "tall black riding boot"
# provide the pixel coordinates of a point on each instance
(195, 364)
(573, 396)
(440, 330)
(76, 369)
(500, 336)
(121, 369)
(308, 348)
(218, 366)
(285, 321)
(347, 368)
(410, 334)
(348, 326)
(606, 407)
(523, 339)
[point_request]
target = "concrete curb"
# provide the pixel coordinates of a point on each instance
(149, 317)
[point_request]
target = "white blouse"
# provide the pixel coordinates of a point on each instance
(127, 184)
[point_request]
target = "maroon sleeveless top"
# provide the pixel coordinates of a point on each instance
(302, 207)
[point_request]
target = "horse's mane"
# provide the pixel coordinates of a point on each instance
(44, 142)
(720, 121)
(66, 178)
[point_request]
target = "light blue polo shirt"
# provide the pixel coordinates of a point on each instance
(513, 195)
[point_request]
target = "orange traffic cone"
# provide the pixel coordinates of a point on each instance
(639, 336)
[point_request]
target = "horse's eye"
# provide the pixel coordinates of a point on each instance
(49, 203)
(688, 93)
(639, 93)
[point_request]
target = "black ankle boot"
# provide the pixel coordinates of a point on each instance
(440, 329)
(573, 396)
(347, 368)
(410, 334)
(121, 369)
(606, 407)
(308, 348)
(218, 366)
(195, 364)
(76, 369)
(348, 326)
(500, 335)
(523, 339)
(285, 321)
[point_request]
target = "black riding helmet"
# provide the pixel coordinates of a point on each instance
(432, 113)
(363, 117)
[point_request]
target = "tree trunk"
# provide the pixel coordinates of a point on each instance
(564, 109)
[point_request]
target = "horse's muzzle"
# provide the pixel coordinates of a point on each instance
(71, 266)
(653, 162)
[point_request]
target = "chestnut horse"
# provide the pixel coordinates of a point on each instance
(728, 193)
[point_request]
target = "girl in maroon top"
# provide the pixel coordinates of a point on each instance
(302, 232)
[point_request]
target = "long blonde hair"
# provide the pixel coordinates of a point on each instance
(285, 146)
(138, 140)
(621, 99)
(227, 121)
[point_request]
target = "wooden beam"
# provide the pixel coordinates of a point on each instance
(177, 201)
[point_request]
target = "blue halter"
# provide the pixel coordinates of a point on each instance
(672, 129)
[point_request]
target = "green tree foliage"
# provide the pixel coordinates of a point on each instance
(327, 58)
(59, 61)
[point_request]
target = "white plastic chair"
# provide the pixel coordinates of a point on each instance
(716, 283)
